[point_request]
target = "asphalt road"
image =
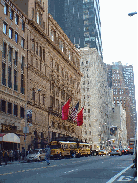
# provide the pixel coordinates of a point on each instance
(93, 169)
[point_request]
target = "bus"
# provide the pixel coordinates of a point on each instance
(84, 149)
(61, 149)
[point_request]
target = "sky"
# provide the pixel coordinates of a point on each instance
(119, 34)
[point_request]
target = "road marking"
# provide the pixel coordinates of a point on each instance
(125, 178)
(116, 176)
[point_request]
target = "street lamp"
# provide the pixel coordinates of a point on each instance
(131, 14)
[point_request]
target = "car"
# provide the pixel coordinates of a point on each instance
(102, 152)
(115, 151)
(36, 155)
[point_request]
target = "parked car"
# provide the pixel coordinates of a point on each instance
(102, 152)
(36, 155)
(115, 151)
(123, 151)
(126, 151)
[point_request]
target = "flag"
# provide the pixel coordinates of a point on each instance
(74, 111)
(80, 118)
(65, 110)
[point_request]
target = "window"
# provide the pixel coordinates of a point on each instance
(16, 19)
(22, 63)
(11, 13)
(88, 110)
(23, 25)
(4, 28)
(21, 112)
(10, 33)
(16, 58)
(3, 106)
(40, 52)
(22, 42)
(3, 73)
(6, 9)
(4, 50)
(22, 84)
(44, 54)
(9, 77)
(37, 48)
(37, 18)
(15, 110)
(33, 94)
(15, 80)
(9, 108)
(10, 54)
(16, 37)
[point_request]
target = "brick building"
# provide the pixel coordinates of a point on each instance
(43, 72)
(121, 94)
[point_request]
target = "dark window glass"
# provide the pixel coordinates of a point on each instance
(3, 106)
(10, 54)
(4, 50)
(16, 58)
(22, 64)
(21, 112)
(9, 77)
(9, 108)
(15, 110)
(15, 80)
(3, 73)
(22, 84)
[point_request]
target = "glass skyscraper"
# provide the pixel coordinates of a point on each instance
(80, 20)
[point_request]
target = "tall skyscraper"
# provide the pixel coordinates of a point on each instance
(80, 20)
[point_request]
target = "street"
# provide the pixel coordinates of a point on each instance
(92, 169)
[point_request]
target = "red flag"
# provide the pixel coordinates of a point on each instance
(65, 110)
(80, 118)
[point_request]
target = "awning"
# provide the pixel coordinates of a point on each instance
(9, 137)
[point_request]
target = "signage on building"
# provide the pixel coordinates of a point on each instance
(8, 128)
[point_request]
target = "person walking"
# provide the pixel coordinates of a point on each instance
(5, 155)
(47, 156)
(11, 155)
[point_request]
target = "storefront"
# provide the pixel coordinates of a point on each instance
(9, 141)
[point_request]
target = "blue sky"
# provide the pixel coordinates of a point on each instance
(119, 34)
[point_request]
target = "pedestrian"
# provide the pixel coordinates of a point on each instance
(11, 155)
(5, 155)
(47, 156)
(0, 157)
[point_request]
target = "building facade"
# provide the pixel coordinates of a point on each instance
(118, 130)
(117, 80)
(96, 98)
(40, 72)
